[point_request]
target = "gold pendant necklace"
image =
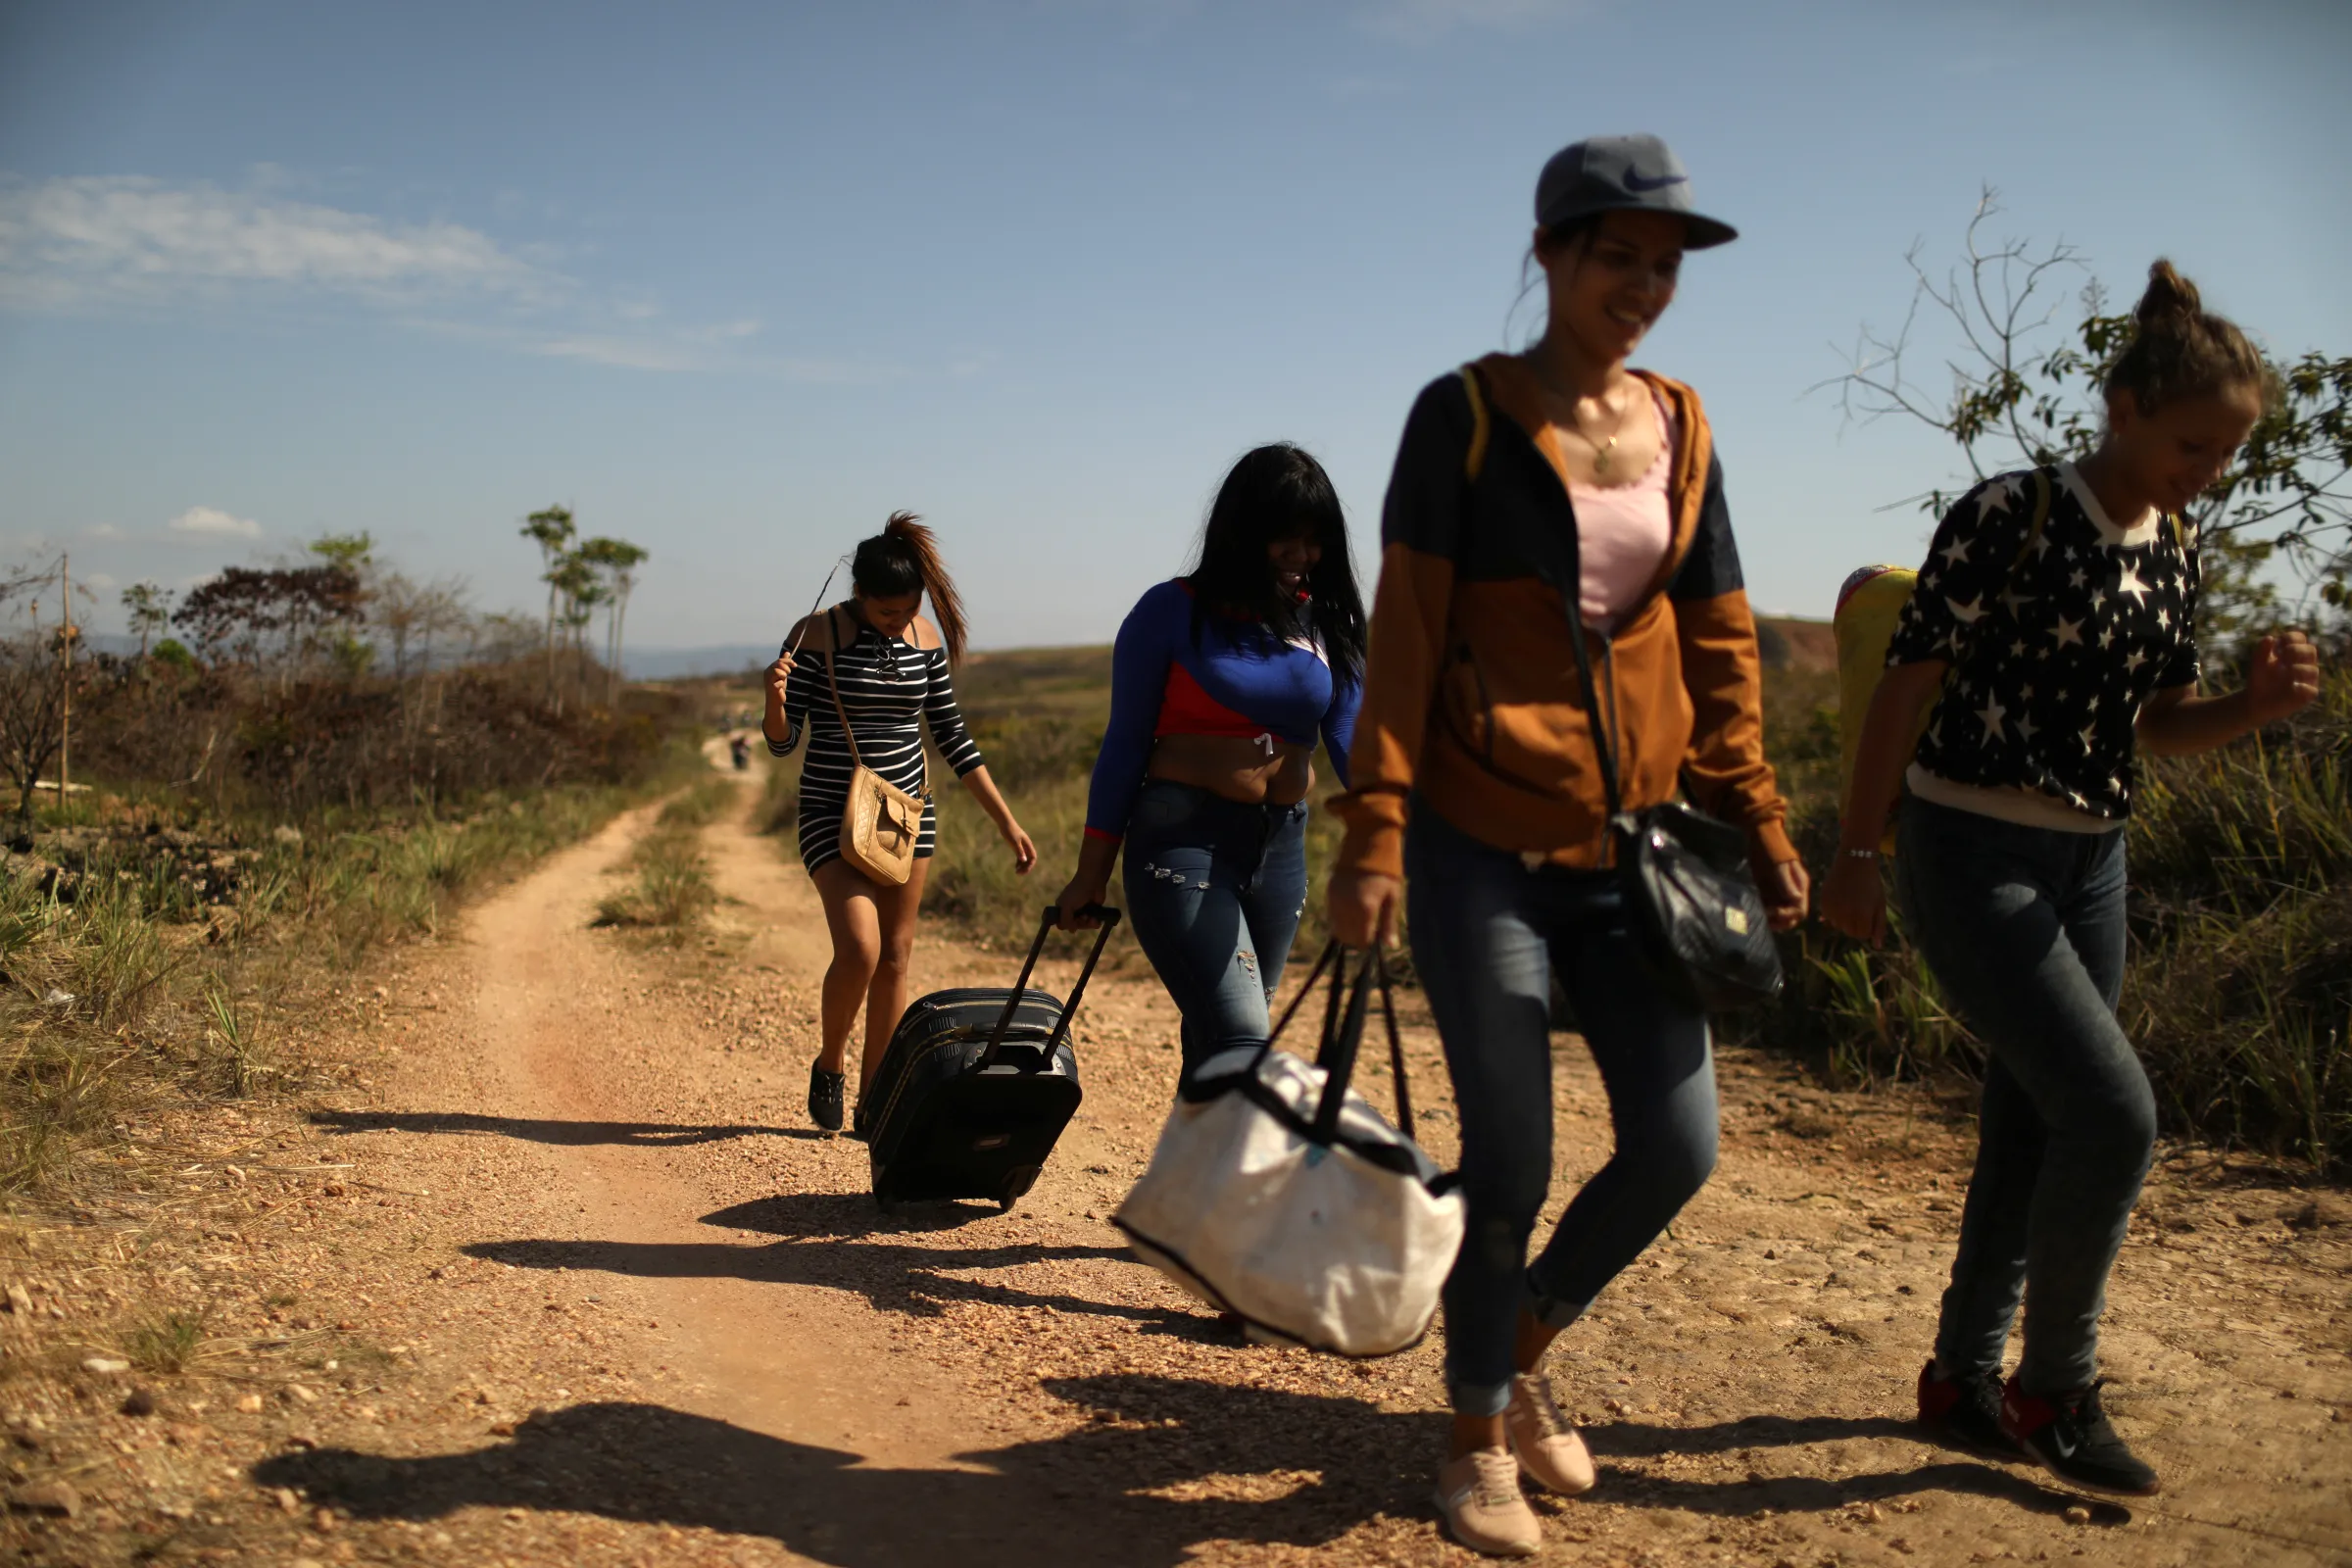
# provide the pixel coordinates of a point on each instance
(1603, 452)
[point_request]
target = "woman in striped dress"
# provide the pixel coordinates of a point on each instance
(892, 670)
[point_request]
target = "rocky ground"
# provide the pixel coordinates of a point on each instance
(550, 1269)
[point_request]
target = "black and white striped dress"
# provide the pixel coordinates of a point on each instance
(888, 687)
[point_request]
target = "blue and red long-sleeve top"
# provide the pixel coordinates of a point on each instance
(1238, 678)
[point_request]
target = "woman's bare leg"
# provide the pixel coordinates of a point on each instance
(855, 925)
(886, 994)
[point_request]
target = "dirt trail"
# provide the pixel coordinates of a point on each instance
(607, 1300)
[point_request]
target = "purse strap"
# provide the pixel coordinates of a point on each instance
(1604, 743)
(1481, 426)
(833, 685)
(922, 790)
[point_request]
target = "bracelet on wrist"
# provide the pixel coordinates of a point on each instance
(1859, 854)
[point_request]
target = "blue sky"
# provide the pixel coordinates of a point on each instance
(736, 280)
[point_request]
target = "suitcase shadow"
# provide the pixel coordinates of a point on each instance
(911, 1280)
(845, 1216)
(545, 1130)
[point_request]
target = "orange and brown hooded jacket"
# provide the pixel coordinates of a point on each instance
(1471, 696)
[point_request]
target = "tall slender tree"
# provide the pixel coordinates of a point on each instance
(575, 581)
(149, 606)
(552, 529)
(618, 560)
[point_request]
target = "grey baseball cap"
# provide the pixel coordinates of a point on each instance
(1622, 173)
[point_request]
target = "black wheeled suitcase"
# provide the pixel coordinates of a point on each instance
(976, 1086)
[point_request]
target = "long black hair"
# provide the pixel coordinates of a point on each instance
(904, 558)
(1275, 493)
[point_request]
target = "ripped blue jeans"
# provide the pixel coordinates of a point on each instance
(1214, 889)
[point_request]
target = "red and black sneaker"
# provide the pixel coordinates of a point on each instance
(2071, 1438)
(1967, 1410)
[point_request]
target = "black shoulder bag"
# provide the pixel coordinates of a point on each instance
(1693, 904)
(1689, 898)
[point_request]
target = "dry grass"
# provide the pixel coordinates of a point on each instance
(142, 970)
(671, 891)
(167, 1342)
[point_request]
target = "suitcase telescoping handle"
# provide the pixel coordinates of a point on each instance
(1109, 918)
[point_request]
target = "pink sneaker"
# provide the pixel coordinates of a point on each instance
(1479, 1495)
(1545, 1441)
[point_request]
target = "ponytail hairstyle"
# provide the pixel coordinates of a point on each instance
(904, 558)
(1275, 493)
(2179, 350)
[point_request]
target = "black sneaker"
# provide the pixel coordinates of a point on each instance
(1966, 1409)
(824, 1098)
(2071, 1438)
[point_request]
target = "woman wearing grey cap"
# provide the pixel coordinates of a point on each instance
(1477, 784)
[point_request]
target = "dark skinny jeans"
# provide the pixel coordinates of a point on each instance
(2023, 928)
(1488, 935)
(1214, 889)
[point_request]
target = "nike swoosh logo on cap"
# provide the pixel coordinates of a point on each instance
(1633, 181)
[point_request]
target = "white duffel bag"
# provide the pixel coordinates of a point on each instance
(1281, 1195)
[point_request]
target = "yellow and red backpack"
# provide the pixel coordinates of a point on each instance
(1869, 605)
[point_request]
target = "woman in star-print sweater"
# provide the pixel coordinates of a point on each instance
(2052, 630)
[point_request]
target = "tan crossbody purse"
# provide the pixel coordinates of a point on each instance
(882, 824)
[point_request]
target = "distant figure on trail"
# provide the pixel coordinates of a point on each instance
(1479, 793)
(739, 750)
(891, 671)
(2052, 630)
(1222, 682)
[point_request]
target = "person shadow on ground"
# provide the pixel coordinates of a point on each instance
(1160, 1467)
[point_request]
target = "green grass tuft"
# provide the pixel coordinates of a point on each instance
(672, 890)
(169, 1341)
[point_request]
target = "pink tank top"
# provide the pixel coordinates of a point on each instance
(1622, 534)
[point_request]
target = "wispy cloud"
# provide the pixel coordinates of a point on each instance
(210, 523)
(92, 241)
(94, 245)
(1421, 20)
(702, 352)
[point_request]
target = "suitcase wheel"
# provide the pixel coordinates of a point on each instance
(1018, 1181)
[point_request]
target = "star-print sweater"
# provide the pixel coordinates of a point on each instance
(2055, 641)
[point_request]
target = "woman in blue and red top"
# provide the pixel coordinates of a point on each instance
(1221, 683)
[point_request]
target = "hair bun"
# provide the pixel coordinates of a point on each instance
(2169, 295)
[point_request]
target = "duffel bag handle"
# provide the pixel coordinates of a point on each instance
(1109, 918)
(1344, 1031)
(1337, 1059)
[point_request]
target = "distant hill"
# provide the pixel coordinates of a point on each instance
(1791, 641)
(673, 664)
(1788, 643)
